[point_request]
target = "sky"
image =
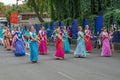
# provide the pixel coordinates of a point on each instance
(10, 2)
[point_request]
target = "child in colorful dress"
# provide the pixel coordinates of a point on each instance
(80, 49)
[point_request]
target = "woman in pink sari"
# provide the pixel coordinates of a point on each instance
(43, 41)
(106, 51)
(59, 45)
(88, 39)
(13, 38)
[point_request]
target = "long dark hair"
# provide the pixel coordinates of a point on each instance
(17, 28)
(30, 27)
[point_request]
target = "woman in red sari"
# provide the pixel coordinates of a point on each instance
(43, 41)
(88, 39)
(59, 45)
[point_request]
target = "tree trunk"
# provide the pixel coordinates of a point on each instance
(36, 11)
(93, 6)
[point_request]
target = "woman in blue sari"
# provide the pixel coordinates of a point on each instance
(80, 49)
(53, 35)
(27, 41)
(33, 46)
(1, 35)
(19, 43)
(66, 42)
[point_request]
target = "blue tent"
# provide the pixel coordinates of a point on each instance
(54, 25)
(116, 37)
(86, 22)
(37, 27)
(98, 24)
(119, 36)
(112, 23)
(48, 31)
(61, 24)
(27, 27)
(48, 25)
(74, 28)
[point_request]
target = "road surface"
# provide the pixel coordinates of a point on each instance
(93, 67)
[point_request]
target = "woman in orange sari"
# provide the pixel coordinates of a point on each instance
(7, 39)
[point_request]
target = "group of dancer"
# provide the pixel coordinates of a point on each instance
(17, 40)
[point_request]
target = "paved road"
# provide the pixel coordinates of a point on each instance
(93, 67)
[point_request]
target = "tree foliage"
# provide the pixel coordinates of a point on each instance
(67, 10)
(21, 8)
(63, 9)
(2, 6)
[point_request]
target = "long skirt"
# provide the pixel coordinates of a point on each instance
(106, 51)
(43, 47)
(1, 41)
(59, 50)
(88, 44)
(19, 48)
(27, 44)
(7, 43)
(80, 49)
(34, 51)
(66, 45)
(13, 43)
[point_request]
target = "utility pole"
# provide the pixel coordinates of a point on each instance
(36, 11)
(17, 9)
(17, 5)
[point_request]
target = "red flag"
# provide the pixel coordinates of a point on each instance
(14, 18)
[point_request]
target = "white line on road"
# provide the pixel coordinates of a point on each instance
(27, 54)
(88, 54)
(65, 75)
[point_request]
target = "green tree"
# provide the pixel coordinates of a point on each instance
(2, 6)
(21, 8)
(72, 9)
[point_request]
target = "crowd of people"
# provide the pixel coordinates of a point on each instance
(19, 40)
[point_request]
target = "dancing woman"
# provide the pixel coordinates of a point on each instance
(19, 43)
(88, 39)
(43, 41)
(66, 42)
(80, 49)
(27, 34)
(7, 38)
(59, 45)
(13, 37)
(106, 51)
(33, 46)
(111, 38)
(1, 35)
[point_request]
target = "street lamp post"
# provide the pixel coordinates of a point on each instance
(17, 5)
(17, 10)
